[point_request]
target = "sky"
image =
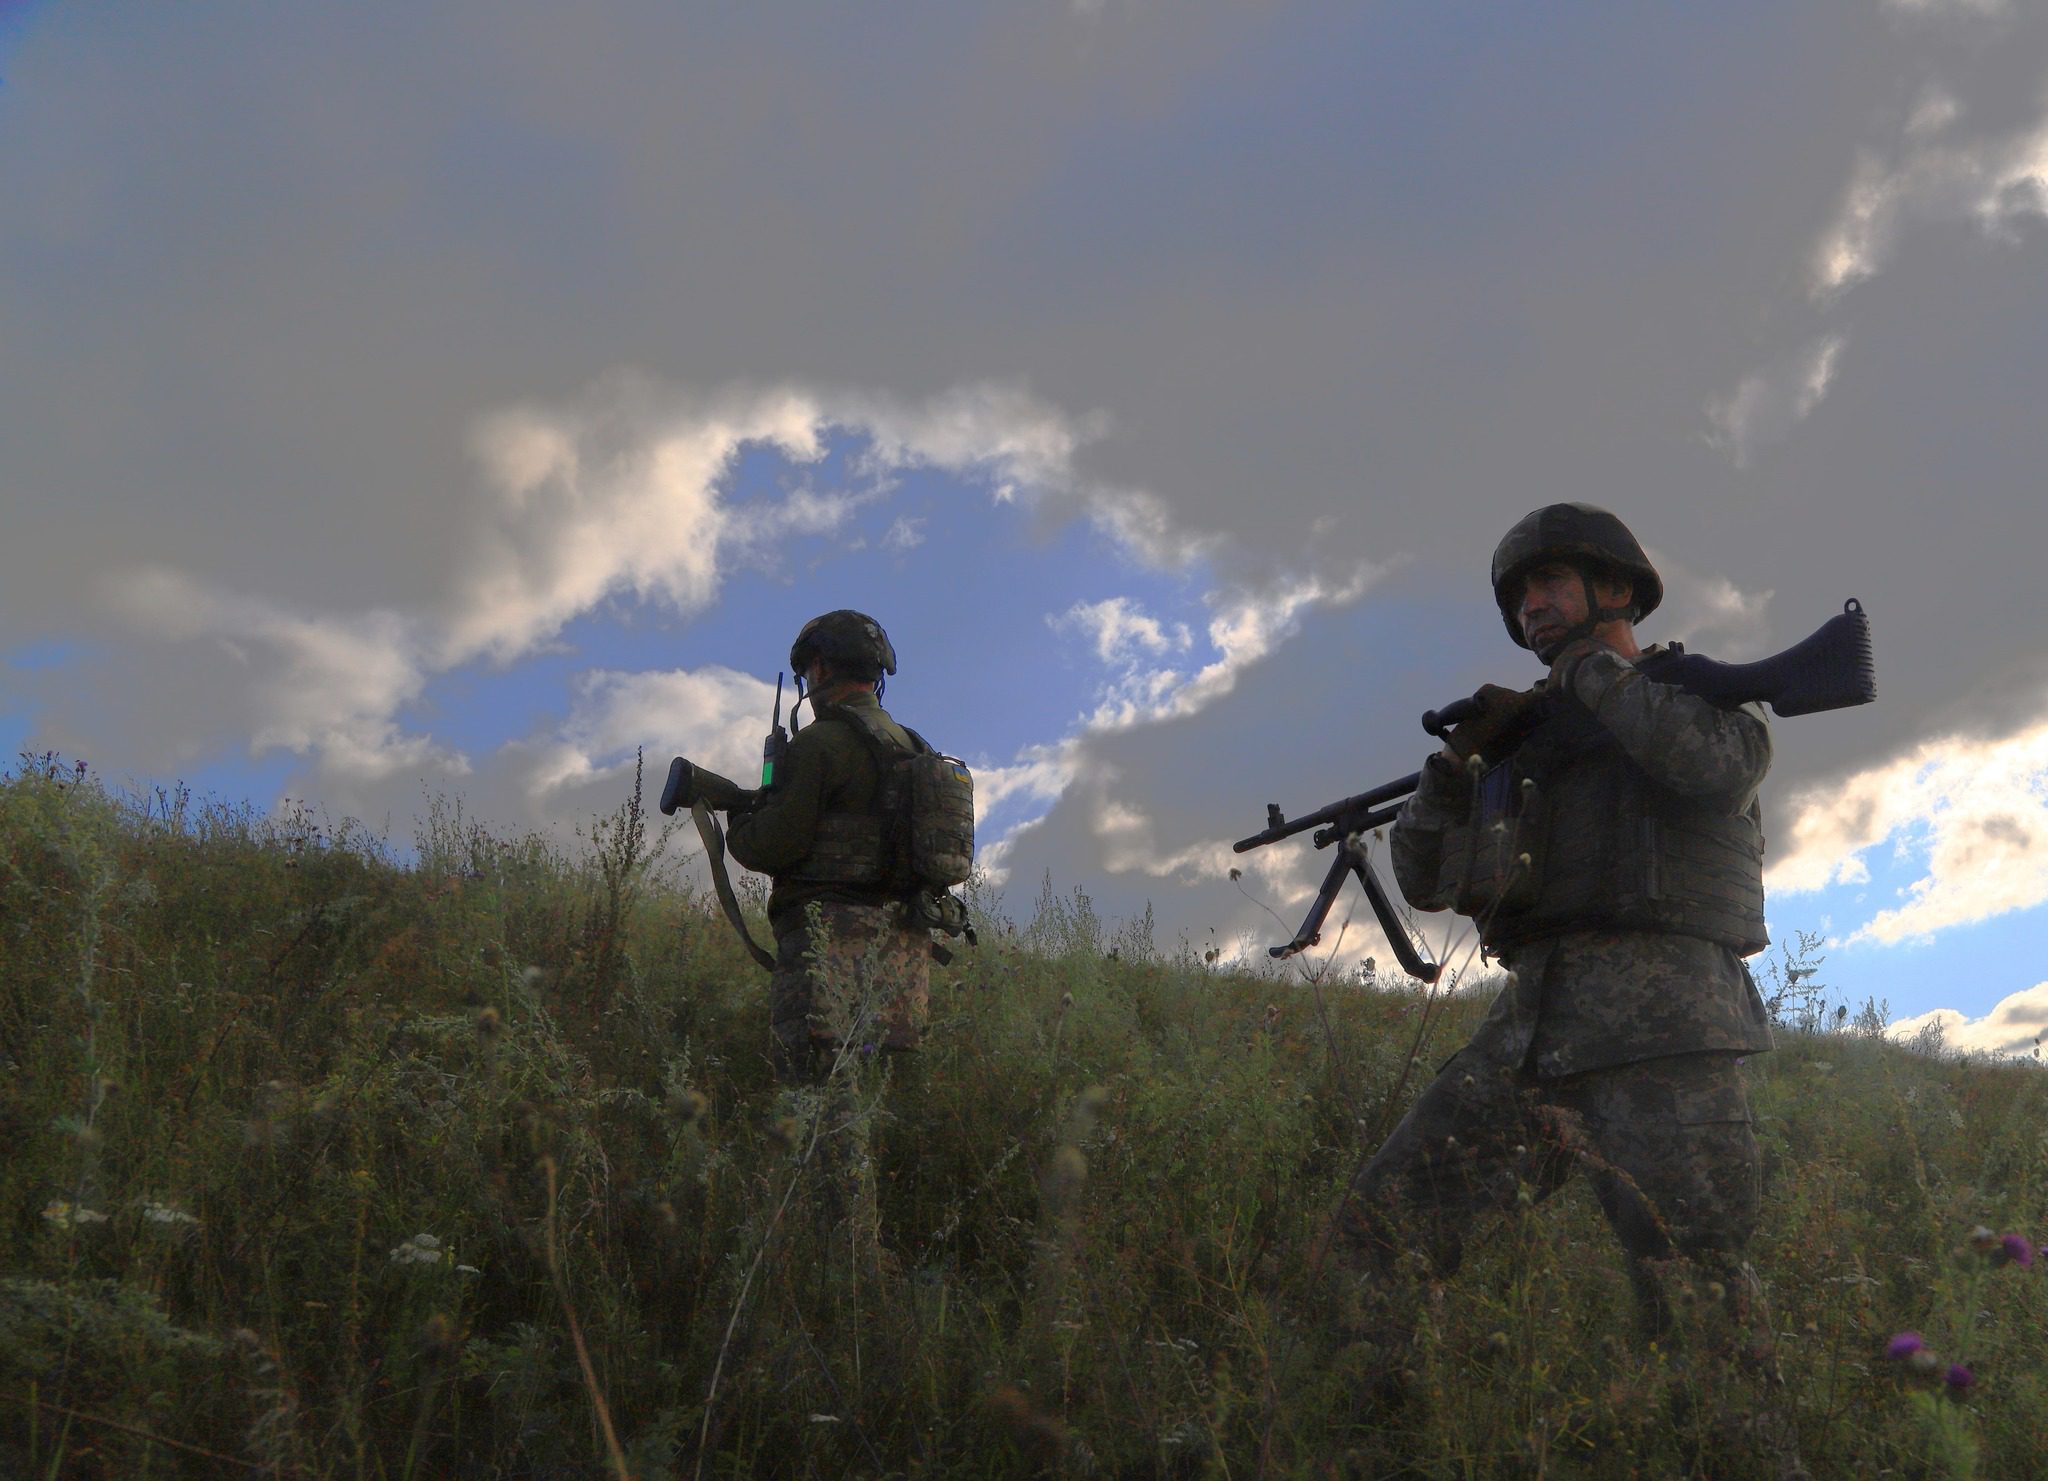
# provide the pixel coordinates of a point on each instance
(403, 402)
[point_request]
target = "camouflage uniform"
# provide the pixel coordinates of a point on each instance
(1614, 1047)
(847, 966)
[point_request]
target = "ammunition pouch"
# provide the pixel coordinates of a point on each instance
(1609, 849)
(1481, 869)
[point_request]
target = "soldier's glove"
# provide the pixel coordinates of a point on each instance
(1500, 717)
(1565, 667)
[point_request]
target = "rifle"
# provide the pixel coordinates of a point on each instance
(702, 792)
(1832, 669)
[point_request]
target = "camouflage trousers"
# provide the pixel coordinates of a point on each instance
(846, 976)
(1667, 1144)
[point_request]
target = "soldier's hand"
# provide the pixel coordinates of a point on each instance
(1566, 664)
(1499, 718)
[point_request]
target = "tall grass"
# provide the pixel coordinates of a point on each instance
(321, 1165)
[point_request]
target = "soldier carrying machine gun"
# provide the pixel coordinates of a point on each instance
(1832, 669)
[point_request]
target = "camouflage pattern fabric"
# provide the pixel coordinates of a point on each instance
(1667, 1143)
(828, 769)
(1590, 998)
(1612, 1051)
(846, 974)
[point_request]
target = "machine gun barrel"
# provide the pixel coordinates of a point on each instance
(1359, 806)
(1340, 823)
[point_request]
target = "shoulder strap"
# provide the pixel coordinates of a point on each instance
(867, 723)
(714, 852)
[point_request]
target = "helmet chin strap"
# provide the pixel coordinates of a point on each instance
(1596, 618)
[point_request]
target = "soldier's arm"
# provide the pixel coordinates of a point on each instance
(1416, 844)
(782, 829)
(1695, 748)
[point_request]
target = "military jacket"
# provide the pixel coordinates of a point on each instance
(828, 771)
(1589, 991)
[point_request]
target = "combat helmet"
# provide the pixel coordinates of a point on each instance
(1582, 535)
(852, 642)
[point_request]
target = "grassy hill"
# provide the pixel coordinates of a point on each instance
(320, 1166)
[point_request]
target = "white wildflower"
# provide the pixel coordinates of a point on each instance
(70, 1215)
(421, 1249)
(163, 1215)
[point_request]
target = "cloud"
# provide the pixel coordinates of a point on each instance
(1935, 111)
(325, 686)
(1994, 183)
(1764, 407)
(1949, 7)
(1120, 630)
(713, 715)
(2014, 1027)
(1246, 625)
(619, 497)
(1710, 613)
(623, 494)
(905, 534)
(1977, 810)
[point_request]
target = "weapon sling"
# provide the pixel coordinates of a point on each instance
(714, 851)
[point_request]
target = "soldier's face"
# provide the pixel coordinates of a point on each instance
(1553, 601)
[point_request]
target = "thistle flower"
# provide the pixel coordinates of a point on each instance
(1904, 1345)
(1985, 1242)
(1959, 1378)
(2017, 1250)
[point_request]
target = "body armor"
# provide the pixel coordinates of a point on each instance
(1568, 834)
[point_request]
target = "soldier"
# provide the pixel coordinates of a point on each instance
(852, 953)
(1602, 831)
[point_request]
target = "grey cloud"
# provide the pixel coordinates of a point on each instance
(1768, 404)
(1295, 290)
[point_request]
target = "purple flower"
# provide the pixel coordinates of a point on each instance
(2018, 1250)
(1904, 1345)
(1959, 1378)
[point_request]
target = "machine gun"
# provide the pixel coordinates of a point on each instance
(1830, 670)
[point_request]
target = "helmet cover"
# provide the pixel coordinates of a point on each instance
(845, 639)
(1577, 534)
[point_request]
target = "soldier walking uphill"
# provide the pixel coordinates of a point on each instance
(851, 917)
(863, 828)
(1602, 831)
